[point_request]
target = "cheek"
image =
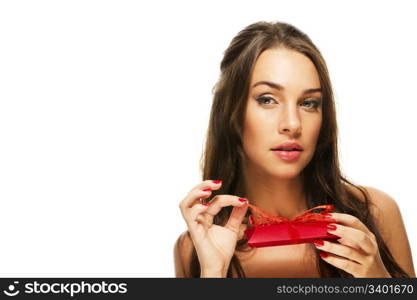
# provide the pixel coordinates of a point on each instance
(250, 134)
(256, 132)
(313, 130)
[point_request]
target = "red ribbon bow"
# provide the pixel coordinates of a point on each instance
(262, 218)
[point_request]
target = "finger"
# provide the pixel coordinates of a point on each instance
(220, 201)
(196, 223)
(355, 236)
(340, 250)
(202, 220)
(194, 214)
(236, 218)
(349, 220)
(208, 185)
(193, 197)
(212, 184)
(349, 243)
(201, 191)
(341, 263)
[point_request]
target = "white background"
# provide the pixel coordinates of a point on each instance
(104, 109)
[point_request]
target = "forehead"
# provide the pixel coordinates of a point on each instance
(287, 67)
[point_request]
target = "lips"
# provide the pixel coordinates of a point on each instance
(288, 155)
(288, 146)
(287, 149)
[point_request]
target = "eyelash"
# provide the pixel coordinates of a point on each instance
(316, 103)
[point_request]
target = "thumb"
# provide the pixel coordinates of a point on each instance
(236, 217)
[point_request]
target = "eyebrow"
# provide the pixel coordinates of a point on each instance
(279, 87)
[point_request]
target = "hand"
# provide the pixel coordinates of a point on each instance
(215, 245)
(357, 253)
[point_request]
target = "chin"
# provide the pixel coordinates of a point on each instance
(287, 173)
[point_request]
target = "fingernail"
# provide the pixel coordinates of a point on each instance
(331, 227)
(243, 200)
(324, 254)
(318, 243)
(206, 204)
(217, 181)
(207, 190)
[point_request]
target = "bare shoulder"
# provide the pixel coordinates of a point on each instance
(381, 202)
(182, 254)
(383, 207)
(387, 215)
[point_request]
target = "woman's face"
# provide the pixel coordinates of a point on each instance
(289, 112)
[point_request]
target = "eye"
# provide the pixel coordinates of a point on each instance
(312, 103)
(263, 99)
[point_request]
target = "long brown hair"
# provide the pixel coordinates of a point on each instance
(223, 157)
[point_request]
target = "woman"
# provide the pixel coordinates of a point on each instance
(272, 142)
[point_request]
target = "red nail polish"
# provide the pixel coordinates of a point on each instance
(217, 181)
(324, 254)
(207, 190)
(331, 227)
(206, 204)
(243, 200)
(319, 243)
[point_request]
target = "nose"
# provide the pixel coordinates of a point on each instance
(289, 121)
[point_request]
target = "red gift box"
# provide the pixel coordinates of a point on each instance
(267, 230)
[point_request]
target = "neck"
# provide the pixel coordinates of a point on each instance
(282, 197)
